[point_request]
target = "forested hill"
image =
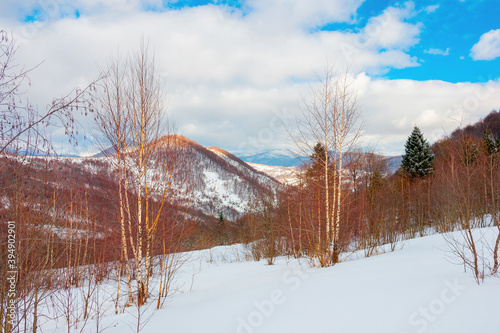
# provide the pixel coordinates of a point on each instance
(490, 122)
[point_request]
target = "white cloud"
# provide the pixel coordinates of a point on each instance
(438, 51)
(389, 30)
(393, 107)
(279, 14)
(229, 77)
(431, 9)
(212, 44)
(488, 47)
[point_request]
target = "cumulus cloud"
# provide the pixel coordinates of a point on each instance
(217, 45)
(488, 47)
(389, 30)
(280, 14)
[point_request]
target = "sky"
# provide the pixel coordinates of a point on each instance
(235, 71)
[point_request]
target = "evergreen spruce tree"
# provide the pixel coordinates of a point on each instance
(491, 146)
(319, 156)
(316, 169)
(418, 160)
(221, 231)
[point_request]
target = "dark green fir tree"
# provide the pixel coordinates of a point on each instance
(316, 169)
(418, 159)
(491, 146)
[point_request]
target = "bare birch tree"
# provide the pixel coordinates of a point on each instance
(130, 118)
(112, 121)
(330, 117)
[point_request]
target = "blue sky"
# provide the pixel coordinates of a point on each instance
(231, 67)
(449, 30)
(456, 27)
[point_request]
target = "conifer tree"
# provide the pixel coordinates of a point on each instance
(418, 160)
(318, 160)
(491, 146)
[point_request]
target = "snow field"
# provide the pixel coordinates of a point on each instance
(415, 289)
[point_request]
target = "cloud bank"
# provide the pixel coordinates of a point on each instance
(234, 73)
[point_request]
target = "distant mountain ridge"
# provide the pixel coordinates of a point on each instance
(36, 152)
(286, 159)
(393, 163)
(277, 157)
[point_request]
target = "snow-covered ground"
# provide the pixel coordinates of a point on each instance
(417, 288)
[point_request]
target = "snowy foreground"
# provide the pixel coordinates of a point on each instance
(414, 289)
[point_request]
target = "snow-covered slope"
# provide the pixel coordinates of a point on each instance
(414, 289)
(285, 175)
(218, 181)
(211, 180)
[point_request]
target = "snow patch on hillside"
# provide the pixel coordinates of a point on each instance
(285, 175)
(220, 189)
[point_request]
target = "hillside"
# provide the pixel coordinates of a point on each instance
(206, 181)
(218, 181)
(491, 122)
(393, 163)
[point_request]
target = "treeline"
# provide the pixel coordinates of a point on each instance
(453, 185)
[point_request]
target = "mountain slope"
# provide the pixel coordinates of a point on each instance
(215, 181)
(206, 181)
